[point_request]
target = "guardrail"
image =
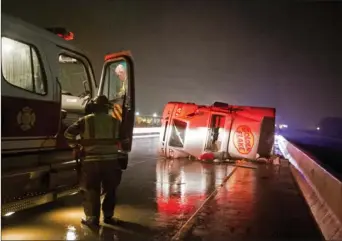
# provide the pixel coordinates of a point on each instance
(322, 191)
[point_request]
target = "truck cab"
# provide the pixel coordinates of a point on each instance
(219, 131)
(47, 84)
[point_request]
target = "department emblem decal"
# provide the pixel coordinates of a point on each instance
(26, 118)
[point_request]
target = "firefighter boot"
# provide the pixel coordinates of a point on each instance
(112, 221)
(90, 221)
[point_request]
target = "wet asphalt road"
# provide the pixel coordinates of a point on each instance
(155, 198)
(161, 199)
(256, 204)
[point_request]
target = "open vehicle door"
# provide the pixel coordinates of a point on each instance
(117, 83)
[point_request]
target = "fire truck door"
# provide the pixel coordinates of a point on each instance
(117, 83)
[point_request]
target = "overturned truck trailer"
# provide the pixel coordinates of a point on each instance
(219, 131)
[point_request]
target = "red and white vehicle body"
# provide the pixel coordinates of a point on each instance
(220, 131)
(46, 84)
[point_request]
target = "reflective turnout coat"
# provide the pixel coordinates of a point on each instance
(99, 136)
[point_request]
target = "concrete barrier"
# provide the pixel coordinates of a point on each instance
(322, 191)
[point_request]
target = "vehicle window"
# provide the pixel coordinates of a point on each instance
(116, 81)
(21, 66)
(178, 133)
(73, 76)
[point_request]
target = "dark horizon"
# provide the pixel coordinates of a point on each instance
(287, 55)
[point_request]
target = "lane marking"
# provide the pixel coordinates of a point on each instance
(191, 221)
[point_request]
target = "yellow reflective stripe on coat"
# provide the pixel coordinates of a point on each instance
(123, 88)
(88, 130)
(100, 137)
(69, 136)
(109, 157)
(117, 112)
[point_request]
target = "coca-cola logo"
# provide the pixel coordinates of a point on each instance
(243, 139)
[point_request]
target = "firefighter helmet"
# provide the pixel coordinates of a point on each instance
(101, 104)
(101, 100)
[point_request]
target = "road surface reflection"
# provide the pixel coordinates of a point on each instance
(182, 186)
(156, 197)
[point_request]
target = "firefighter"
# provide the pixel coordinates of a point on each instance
(99, 135)
(121, 73)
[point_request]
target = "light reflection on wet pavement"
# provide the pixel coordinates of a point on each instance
(259, 204)
(155, 198)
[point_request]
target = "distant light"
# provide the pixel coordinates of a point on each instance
(9, 214)
(137, 113)
(154, 114)
(281, 126)
(318, 128)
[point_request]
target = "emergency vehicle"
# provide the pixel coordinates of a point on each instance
(47, 84)
(219, 131)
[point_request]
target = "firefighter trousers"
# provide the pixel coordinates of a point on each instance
(95, 174)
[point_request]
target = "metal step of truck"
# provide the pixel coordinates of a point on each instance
(31, 200)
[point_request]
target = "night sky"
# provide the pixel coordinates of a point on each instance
(287, 56)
